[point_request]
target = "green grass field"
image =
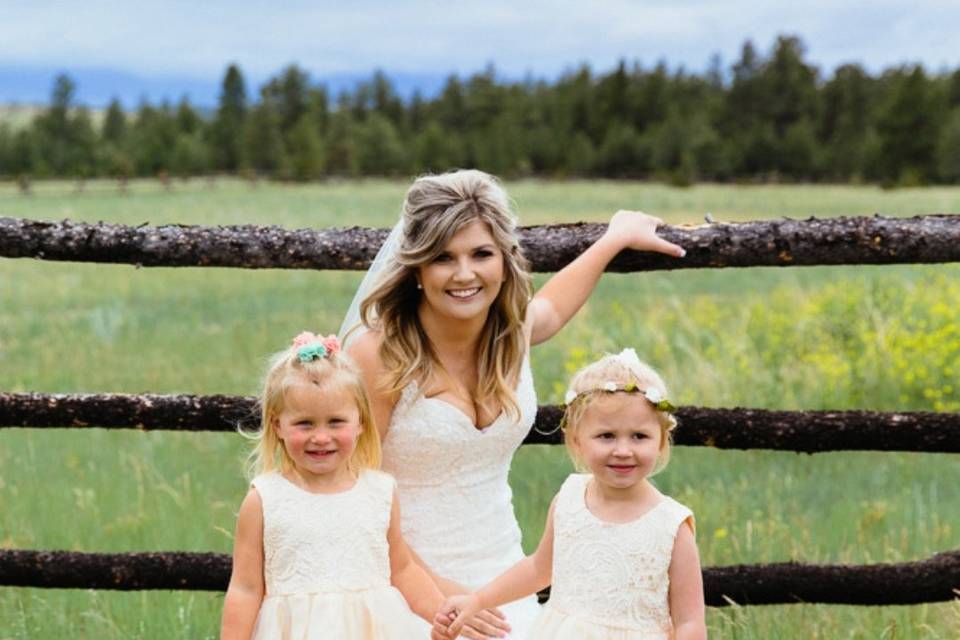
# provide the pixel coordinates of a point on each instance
(841, 337)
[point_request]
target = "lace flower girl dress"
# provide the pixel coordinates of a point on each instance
(327, 563)
(610, 580)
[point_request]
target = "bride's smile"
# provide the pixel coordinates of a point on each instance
(464, 279)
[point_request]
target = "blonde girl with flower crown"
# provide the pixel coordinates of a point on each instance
(620, 555)
(318, 551)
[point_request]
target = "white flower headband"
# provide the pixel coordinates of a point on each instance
(629, 358)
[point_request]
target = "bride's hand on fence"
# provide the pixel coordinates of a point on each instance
(638, 231)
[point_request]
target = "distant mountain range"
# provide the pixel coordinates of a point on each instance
(96, 87)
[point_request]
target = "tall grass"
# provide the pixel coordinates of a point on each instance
(854, 337)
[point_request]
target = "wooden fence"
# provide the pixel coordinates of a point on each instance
(849, 240)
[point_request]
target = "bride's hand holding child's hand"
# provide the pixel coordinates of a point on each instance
(638, 231)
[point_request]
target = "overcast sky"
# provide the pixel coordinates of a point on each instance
(192, 42)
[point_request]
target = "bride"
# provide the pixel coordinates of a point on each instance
(441, 329)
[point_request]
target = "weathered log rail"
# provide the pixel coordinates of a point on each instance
(787, 242)
(833, 241)
(932, 580)
(801, 431)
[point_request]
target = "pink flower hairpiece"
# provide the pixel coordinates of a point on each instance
(310, 346)
(304, 338)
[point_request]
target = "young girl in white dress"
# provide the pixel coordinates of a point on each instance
(621, 556)
(318, 551)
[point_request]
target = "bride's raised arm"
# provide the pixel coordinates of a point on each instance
(563, 294)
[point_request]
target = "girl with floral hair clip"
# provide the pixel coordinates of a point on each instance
(621, 556)
(318, 551)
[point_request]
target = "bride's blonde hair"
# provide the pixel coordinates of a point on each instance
(436, 207)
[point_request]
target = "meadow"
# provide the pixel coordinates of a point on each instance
(884, 338)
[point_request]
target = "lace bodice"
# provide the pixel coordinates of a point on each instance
(456, 505)
(315, 543)
(613, 573)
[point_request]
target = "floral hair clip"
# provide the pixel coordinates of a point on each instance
(313, 347)
(652, 394)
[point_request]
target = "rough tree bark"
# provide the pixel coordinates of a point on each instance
(802, 431)
(933, 580)
(120, 411)
(845, 240)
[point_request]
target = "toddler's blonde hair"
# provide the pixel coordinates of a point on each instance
(623, 372)
(285, 371)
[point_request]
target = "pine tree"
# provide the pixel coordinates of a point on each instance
(26, 157)
(318, 109)
(948, 149)
(228, 126)
(288, 96)
(788, 91)
(386, 102)
(449, 107)
(740, 119)
(305, 150)
(54, 130)
(436, 150)
(612, 103)
(190, 155)
(264, 149)
(379, 150)
(953, 90)
(114, 129)
(908, 128)
(188, 121)
(153, 138)
(84, 159)
(6, 150)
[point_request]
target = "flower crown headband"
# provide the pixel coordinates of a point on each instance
(628, 357)
(311, 347)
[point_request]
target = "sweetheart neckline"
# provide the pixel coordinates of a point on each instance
(525, 370)
(464, 415)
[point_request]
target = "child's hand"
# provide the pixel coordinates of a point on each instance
(440, 624)
(638, 231)
(463, 614)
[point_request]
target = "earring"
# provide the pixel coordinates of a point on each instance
(419, 286)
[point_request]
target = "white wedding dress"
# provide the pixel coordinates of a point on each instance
(456, 505)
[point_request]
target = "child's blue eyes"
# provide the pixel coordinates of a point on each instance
(635, 436)
(308, 424)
